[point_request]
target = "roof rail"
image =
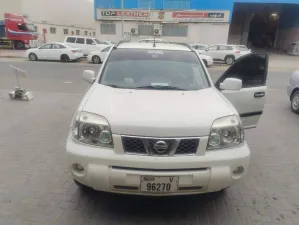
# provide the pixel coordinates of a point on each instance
(182, 44)
(120, 42)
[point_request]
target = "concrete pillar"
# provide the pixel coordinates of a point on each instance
(245, 32)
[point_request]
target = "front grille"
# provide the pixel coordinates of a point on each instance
(159, 146)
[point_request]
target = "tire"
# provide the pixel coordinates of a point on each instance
(32, 57)
(19, 45)
(65, 58)
(295, 102)
(205, 62)
(82, 186)
(229, 59)
(96, 59)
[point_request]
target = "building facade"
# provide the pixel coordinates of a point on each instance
(54, 19)
(202, 21)
(179, 20)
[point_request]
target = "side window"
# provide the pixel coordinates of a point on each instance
(251, 69)
(47, 46)
(195, 46)
(61, 46)
(80, 41)
(71, 40)
(213, 48)
(89, 41)
(106, 49)
(223, 48)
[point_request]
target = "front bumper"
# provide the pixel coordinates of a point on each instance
(114, 171)
(210, 62)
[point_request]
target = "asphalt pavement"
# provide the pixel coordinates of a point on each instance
(36, 189)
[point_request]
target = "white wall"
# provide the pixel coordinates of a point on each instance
(10, 6)
(205, 33)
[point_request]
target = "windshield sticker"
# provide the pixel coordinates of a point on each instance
(155, 52)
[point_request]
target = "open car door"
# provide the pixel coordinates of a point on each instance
(252, 70)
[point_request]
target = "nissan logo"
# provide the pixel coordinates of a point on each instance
(161, 146)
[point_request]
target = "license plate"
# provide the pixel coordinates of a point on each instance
(159, 184)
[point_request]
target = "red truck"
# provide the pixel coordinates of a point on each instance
(17, 33)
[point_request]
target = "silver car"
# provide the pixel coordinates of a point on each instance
(293, 91)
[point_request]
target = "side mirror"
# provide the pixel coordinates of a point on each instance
(89, 76)
(207, 49)
(231, 84)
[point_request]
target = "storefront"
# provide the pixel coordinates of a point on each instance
(204, 21)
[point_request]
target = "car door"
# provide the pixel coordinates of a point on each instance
(80, 43)
(43, 51)
(213, 52)
(223, 51)
(90, 45)
(56, 51)
(252, 70)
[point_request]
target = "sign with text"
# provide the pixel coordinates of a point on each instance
(165, 16)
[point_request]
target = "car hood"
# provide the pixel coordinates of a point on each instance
(158, 113)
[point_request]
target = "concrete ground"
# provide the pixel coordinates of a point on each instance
(36, 189)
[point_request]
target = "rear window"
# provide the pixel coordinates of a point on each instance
(242, 48)
(71, 39)
(154, 69)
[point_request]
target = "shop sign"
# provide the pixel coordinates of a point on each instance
(199, 16)
(127, 15)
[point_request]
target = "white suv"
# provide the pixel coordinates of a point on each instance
(87, 44)
(153, 123)
(227, 53)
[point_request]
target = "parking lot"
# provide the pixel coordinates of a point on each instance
(36, 189)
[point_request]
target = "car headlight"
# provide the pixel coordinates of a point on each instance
(92, 129)
(225, 132)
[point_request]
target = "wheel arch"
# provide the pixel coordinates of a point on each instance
(293, 92)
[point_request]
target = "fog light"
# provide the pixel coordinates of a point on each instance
(78, 167)
(239, 170)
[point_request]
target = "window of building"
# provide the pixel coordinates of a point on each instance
(175, 30)
(85, 33)
(89, 33)
(80, 41)
(146, 4)
(176, 4)
(77, 32)
(35, 27)
(94, 33)
(53, 30)
(145, 29)
(66, 31)
(107, 28)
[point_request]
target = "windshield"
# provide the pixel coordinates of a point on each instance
(97, 41)
(30, 27)
(154, 69)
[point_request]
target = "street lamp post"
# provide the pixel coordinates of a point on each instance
(122, 19)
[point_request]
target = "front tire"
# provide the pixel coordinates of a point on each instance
(229, 60)
(295, 102)
(19, 45)
(96, 59)
(33, 57)
(65, 58)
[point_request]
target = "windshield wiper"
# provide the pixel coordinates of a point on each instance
(114, 86)
(160, 87)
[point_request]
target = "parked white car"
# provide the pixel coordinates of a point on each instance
(87, 44)
(200, 48)
(97, 57)
(208, 60)
(293, 91)
(153, 123)
(226, 53)
(54, 51)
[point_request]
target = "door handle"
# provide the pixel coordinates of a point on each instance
(259, 94)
